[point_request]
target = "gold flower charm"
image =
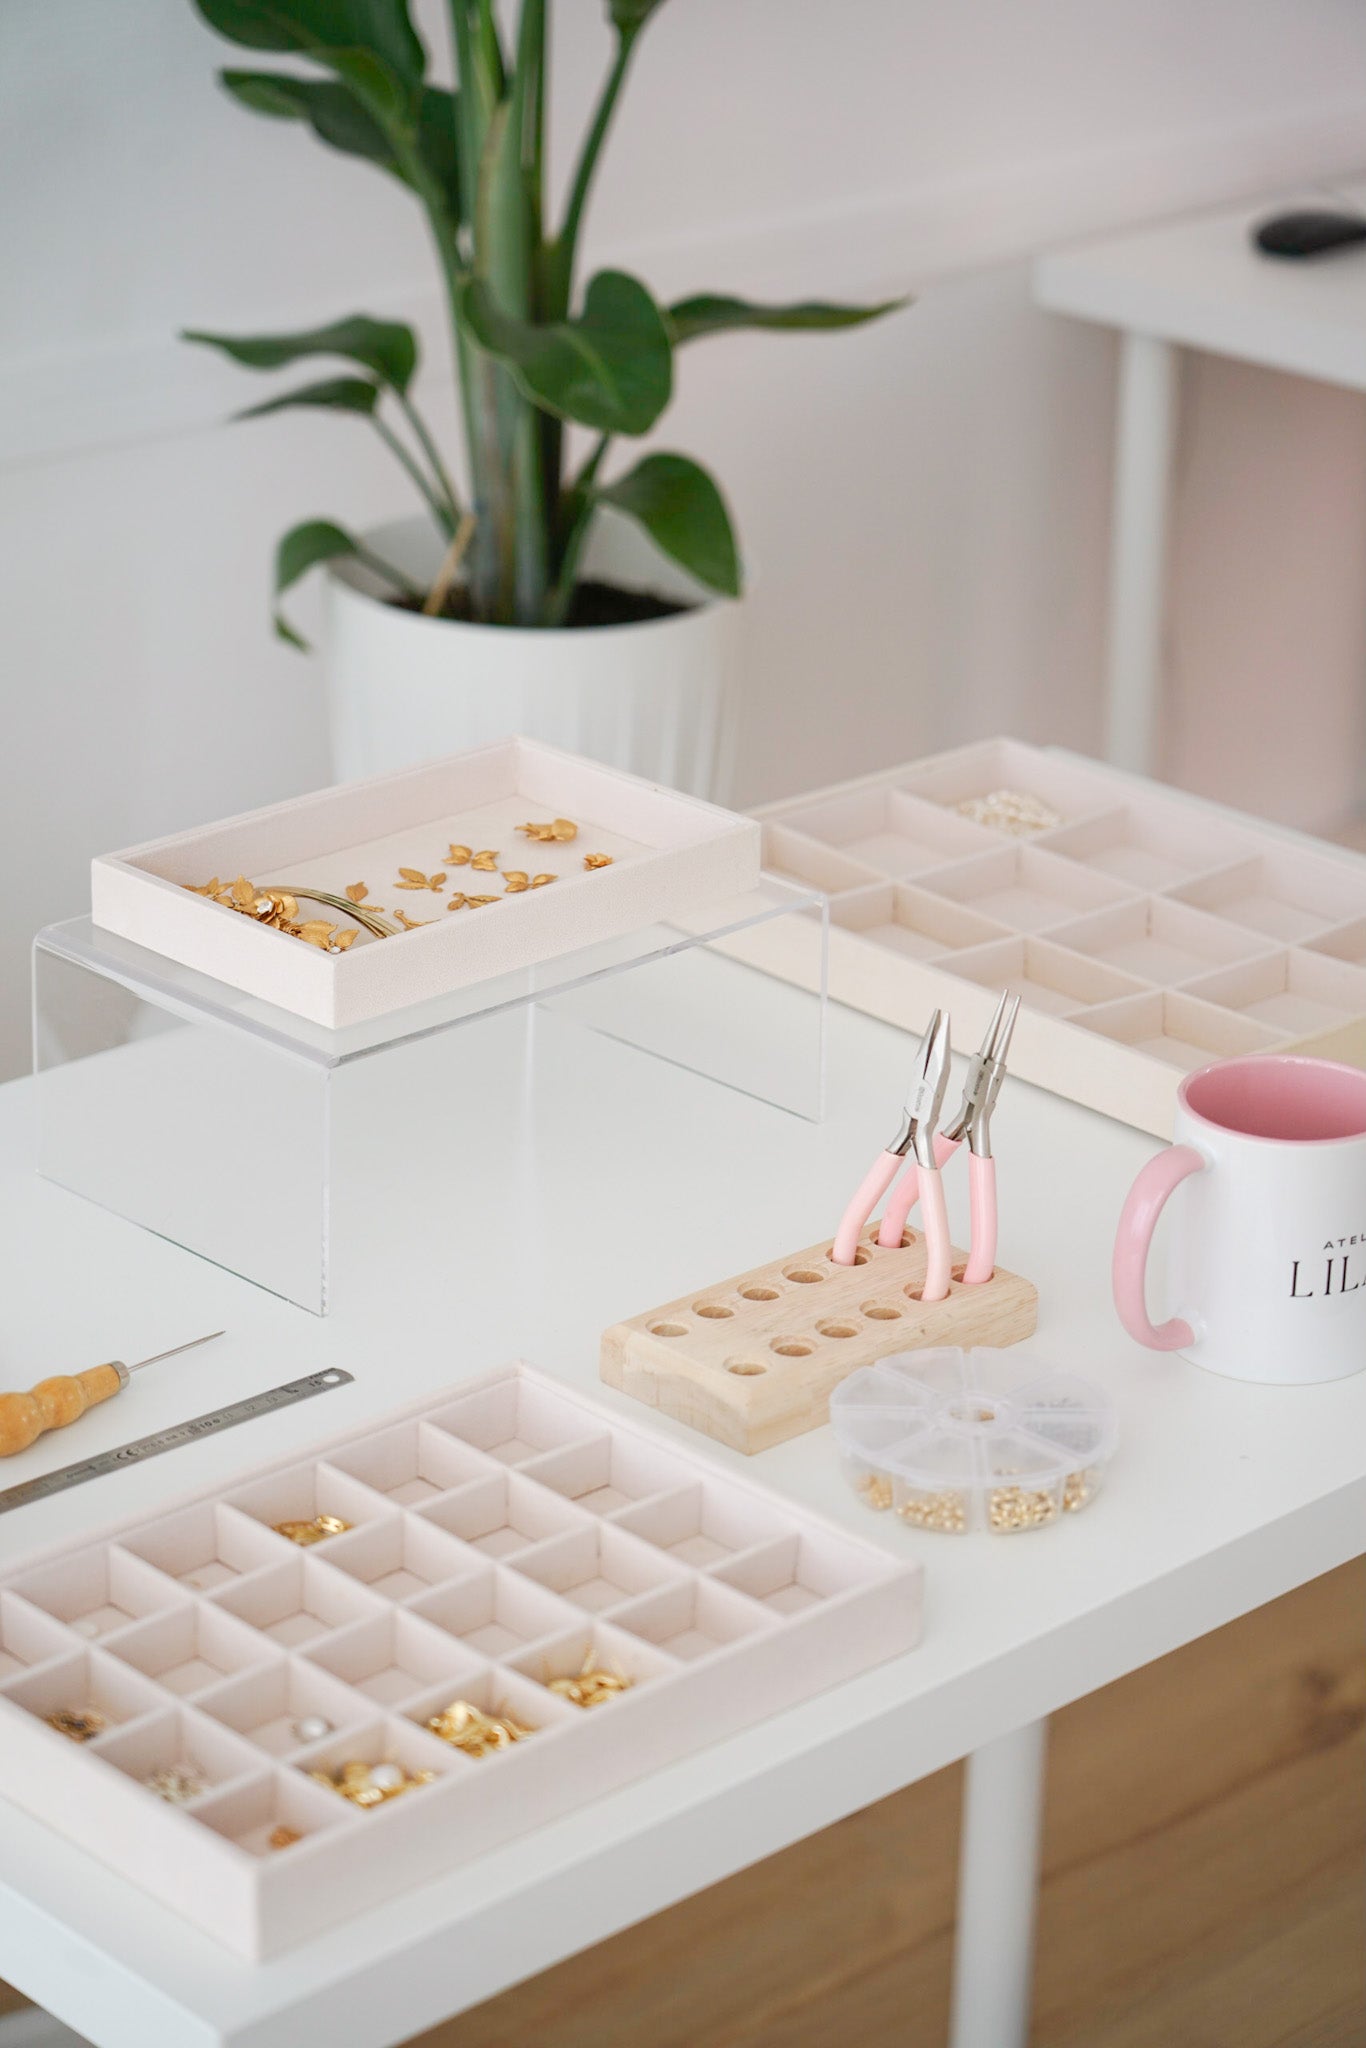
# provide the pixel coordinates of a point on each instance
(597, 860)
(413, 878)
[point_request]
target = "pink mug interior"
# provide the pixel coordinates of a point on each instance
(1282, 1097)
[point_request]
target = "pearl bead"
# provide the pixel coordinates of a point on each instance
(311, 1728)
(386, 1777)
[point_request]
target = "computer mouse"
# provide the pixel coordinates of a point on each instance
(1312, 232)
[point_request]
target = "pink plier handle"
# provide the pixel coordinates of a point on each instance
(906, 1194)
(934, 1215)
(867, 1195)
(982, 1207)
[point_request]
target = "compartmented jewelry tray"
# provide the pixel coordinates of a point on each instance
(1147, 931)
(456, 856)
(239, 1720)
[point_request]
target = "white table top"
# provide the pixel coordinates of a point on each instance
(1200, 282)
(1222, 1496)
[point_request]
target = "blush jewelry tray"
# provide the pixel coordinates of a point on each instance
(290, 1697)
(1148, 931)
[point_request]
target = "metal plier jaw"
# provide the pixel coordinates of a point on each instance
(982, 1084)
(920, 1119)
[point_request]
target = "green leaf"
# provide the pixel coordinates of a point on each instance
(388, 348)
(628, 17)
(323, 28)
(611, 368)
(714, 313)
(683, 512)
(340, 120)
(338, 394)
(298, 551)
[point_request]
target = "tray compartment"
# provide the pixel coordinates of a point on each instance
(297, 1600)
(1159, 941)
(187, 1649)
(514, 1423)
(496, 1690)
(97, 1590)
(402, 1558)
(1149, 846)
(800, 1570)
(701, 1524)
(176, 1735)
(1288, 895)
(601, 1645)
(813, 863)
(502, 1515)
(386, 1740)
(205, 1546)
(1025, 888)
(263, 1705)
(1072, 788)
(249, 1813)
(412, 1463)
(598, 1568)
(496, 1614)
(1303, 995)
(1053, 980)
(694, 1618)
(1180, 1030)
(80, 1681)
(914, 921)
(392, 1656)
(301, 1492)
(28, 1636)
(888, 831)
(605, 1474)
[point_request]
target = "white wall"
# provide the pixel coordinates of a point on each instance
(923, 504)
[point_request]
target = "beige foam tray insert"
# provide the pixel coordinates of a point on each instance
(1148, 931)
(501, 1532)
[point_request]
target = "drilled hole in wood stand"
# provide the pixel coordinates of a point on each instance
(880, 1311)
(805, 1276)
(907, 1238)
(712, 1310)
(838, 1329)
(860, 1258)
(668, 1330)
(790, 1347)
(759, 1293)
(955, 1280)
(744, 1368)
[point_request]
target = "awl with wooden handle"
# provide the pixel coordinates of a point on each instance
(58, 1402)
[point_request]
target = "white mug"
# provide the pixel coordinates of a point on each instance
(1267, 1178)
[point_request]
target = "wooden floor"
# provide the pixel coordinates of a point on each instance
(1204, 1881)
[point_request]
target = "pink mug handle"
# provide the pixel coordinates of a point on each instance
(1136, 1226)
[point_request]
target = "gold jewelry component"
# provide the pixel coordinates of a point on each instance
(876, 1491)
(413, 878)
(597, 860)
(561, 829)
(313, 1531)
(357, 891)
(468, 1728)
(371, 1784)
(411, 924)
(458, 901)
(1077, 1491)
(77, 1726)
(177, 1783)
(459, 856)
(486, 862)
(278, 907)
(593, 1685)
(1020, 1507)
(516, 879)
(947, 1512)
(283, 1838)
(1011, 810)
(473, 902)
(539, 881)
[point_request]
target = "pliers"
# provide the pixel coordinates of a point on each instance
(915, 1134)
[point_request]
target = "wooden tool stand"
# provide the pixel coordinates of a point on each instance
(753, 1360)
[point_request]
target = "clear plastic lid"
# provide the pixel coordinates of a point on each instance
(956, 1440)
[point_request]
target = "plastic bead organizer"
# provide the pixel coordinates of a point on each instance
(755, 1359)
(1147, 931)
(502, 1536)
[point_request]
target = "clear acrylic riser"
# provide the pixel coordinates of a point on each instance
(229, 1126)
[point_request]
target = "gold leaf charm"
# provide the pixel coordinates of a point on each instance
(539, 881)
(597, 860)
(342, 942)
(564, 829)
(516, 879)
(357, 891)
(413, 878)
(458, 856)
(458, 901)
(475, 901)
(243, 893)
(486, 862)
(203, 888)
(316, 932)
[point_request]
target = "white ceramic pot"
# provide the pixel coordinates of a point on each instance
(657, 698)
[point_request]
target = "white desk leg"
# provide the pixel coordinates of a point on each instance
(998, 1867)
(1138, 548)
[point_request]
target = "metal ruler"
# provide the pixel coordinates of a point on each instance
(171, 1439)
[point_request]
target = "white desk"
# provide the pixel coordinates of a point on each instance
(1195, 283)
(1223, 1496)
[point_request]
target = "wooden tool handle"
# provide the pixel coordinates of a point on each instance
(52, 1404)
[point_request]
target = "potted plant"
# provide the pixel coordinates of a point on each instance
(549, 592)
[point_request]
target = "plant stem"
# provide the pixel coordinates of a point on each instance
(580, 498)
(442, 513)
(560, 264)
(446, 574)
(433, 455)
